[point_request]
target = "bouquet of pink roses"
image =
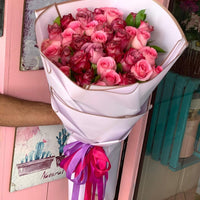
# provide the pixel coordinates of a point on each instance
(102, 66)
(102, 47)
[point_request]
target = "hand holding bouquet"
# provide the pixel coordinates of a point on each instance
(102, 47)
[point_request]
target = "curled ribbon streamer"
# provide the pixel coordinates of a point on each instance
(99, 166)
(86, 164)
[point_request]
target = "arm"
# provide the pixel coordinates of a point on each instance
(17, 112)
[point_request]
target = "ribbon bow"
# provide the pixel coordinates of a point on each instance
(88, 164)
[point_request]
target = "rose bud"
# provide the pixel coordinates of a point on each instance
(131, 57)
(133, 15)
(54, 32)
(142, 70)
(156, 71)
(79, 62)
(65, 20)
(84, 16)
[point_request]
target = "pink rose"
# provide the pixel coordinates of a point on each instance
(150, 54)
(145, 27)
(76, 27)
(79, 62)
(65, 20)
(104, 64)
(156, 71)
(112, 14)
(111, 77)
(131, 57)
(90, 28)
(78, 41)
(142, 70)
(140, 40)
(66, 70)
(84, 16)
(51, 49)
(131, 31)
(99, 36)
(94, 50)
(127, 79)
(54, 32)
(67, 36)
(114, 50)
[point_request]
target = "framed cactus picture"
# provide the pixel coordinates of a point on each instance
(37, 154)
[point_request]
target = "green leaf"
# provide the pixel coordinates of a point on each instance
(96, 78)
(141, 16)
(129, 20)
(57, 20)
(71, 50)
(94, 66)
(158, 49)
(119, 68)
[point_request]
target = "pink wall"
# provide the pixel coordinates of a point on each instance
(33, 86)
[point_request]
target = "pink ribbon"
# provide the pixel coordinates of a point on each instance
(86, 164)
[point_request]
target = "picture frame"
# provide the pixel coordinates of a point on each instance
(30, 57)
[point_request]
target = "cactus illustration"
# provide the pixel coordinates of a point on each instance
(62, 138)
(30, 155)
(37, 154)
(43, 154)
(39, 147)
